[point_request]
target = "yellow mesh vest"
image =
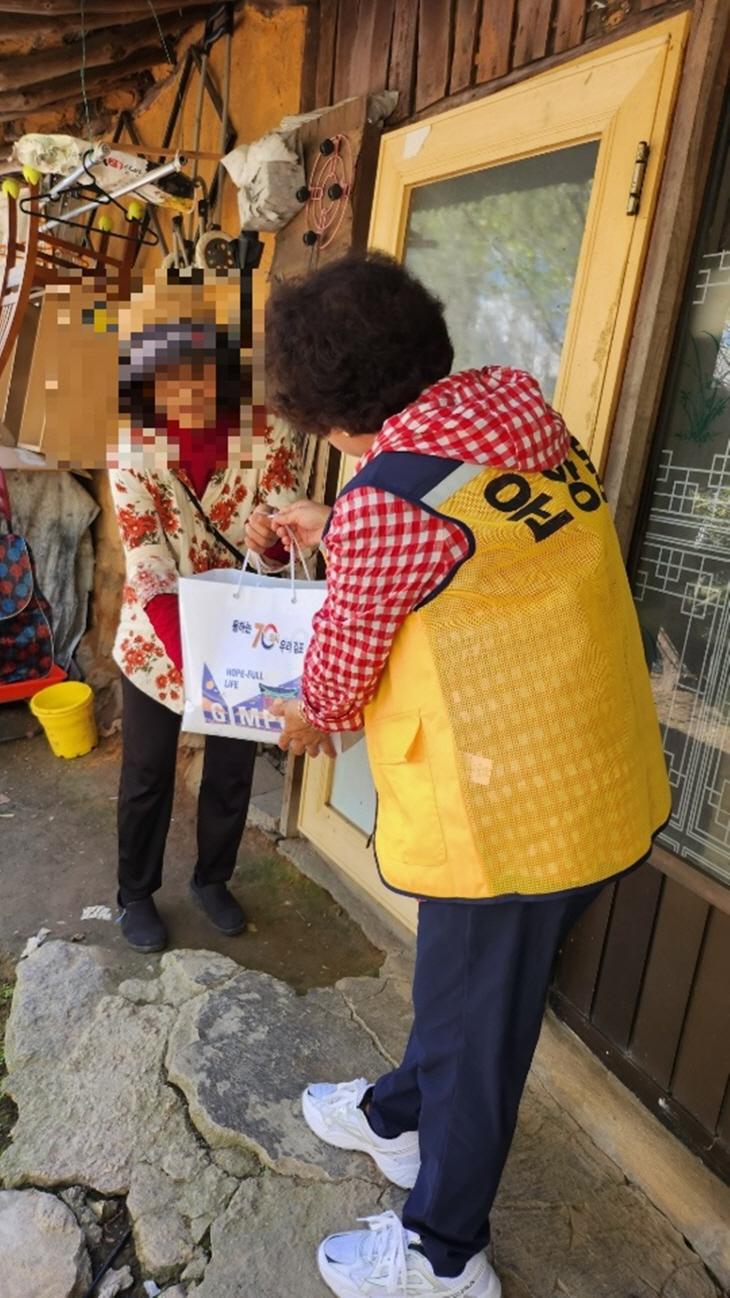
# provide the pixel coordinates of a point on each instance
(513, 738)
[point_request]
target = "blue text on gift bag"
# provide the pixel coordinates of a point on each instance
(245, 637)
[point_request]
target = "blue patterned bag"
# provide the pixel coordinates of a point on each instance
(26, 639)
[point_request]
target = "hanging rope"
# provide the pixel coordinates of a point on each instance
(165, 48)
(82, 71)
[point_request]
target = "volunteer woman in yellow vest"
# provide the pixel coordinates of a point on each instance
(480, 624)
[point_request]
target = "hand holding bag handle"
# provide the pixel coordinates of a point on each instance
(252, 560)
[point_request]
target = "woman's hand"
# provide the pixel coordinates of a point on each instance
(305, 519)
(259, 533)
(298, 736)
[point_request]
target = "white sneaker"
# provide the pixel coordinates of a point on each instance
(333, 1113)
(381, 1261)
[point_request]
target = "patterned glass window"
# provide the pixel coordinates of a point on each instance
(682, 577)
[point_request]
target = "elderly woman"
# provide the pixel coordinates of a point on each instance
(183, 384)
(479, 623)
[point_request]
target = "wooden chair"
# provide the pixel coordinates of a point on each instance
(17, 275)
(39, 260)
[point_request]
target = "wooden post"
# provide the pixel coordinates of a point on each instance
(291, 797)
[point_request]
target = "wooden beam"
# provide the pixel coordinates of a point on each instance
(50, 30)
(107, 48)
(110, 7)
(20, 103)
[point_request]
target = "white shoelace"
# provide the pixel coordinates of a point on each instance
(388, 1243)
(347, 1095)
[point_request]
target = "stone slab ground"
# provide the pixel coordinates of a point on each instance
(180, 1094)
(162, 1094)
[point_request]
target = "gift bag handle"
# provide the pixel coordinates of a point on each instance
(251, 554)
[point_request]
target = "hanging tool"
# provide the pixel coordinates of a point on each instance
(180, 258)
(215, 250)
(150, 178)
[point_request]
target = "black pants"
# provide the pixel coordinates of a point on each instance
(149, 753)
(479, 992)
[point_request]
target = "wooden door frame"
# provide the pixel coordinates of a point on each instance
(318, 822)
(548, 112)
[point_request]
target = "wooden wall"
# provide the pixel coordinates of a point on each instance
(431, 50)
(643, 979)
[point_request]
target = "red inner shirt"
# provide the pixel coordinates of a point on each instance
(200, 452)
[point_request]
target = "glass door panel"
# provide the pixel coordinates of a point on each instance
(500, 247)
(353, 792)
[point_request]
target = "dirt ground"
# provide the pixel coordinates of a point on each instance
(58, 856)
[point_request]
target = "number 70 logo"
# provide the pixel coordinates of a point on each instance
(266, 635)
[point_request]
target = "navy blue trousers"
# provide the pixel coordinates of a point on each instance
(479, 993)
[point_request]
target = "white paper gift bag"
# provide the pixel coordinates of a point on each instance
(244, 638)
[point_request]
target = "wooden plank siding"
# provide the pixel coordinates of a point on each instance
(700, 1080)
(570, 20)
(327, 36)
(643, 979)
(625, 952)
(580, 959)
(531, 34)
(435, 25)
(465, 42)
(495, 40)
(670, 973)
(431, 50)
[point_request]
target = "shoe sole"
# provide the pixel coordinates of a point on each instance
(344, 1288)
(145, 948)
(391, 1170)
(227, 932)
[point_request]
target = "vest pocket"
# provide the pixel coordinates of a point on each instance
(409, 828)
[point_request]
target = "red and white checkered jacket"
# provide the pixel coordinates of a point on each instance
(385, 555)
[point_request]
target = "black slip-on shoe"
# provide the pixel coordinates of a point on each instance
(220, 906)
(142, 927)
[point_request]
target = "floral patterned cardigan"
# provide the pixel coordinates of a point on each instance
(164, 538)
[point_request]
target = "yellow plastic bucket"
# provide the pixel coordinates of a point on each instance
(66, 712)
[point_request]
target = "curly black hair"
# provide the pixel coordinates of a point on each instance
(233, 385)
(353, 344)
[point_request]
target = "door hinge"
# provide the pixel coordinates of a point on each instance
(637, 179)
